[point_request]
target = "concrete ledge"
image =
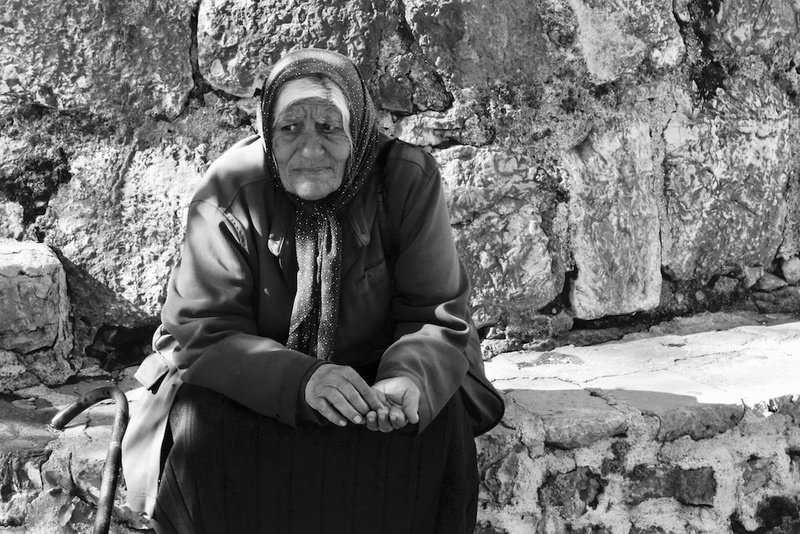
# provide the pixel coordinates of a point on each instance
(673, 434)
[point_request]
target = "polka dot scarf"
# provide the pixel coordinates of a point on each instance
(318, 228)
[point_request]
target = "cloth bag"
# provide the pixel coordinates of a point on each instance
(483, 403)
(144, 438)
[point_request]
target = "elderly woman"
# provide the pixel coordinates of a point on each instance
(316, 356)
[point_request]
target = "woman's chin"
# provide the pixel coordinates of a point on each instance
(314, 189)
(313, 192)
(312, 195)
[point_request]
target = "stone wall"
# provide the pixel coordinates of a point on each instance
(602, 159)
(636, 462)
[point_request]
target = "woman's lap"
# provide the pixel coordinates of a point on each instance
(231, 470)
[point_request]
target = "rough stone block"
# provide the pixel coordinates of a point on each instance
(13, 373)
(34, 318)
(505, 453)
(776, 515)
(238, 42)
(613, 218)
(699, 422)
(573, 492)
(403, 81)
(571, 418)
(769, 282)
(791, 270)
(751, 275)
(755, 474)
(496, 202)
(680, 415)
(726, 171)
(98, 54)
(460, 38)
(785, 299)
(696, 487)
(747, 28)
(786, 404)
(725, 285)
(120, 236)
(20, 484)
(617, 37)
(11, 226)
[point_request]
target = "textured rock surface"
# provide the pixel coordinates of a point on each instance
(498, 201)
(120, 233)
(35, 338)
(132, 218)
(694, 487)
(745, 28)
(237, 42)
(97, 54)
(50, 480)
(790, 269)
(613, 218)
(786, 299)
(708, 438)
(678, 415)
(721, 217)
(11, 215)
(571, 418)
(632, 483)
(476, 44)
(616, 38)
(20, 483)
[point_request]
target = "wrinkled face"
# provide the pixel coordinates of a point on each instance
(311, 148)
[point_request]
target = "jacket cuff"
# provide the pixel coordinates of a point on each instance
(306, 415)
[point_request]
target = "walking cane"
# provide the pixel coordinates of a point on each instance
(108, 487)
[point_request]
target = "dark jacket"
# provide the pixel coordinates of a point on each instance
(230, 297)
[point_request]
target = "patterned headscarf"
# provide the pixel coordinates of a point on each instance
(318, 231)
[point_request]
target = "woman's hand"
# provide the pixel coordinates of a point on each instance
(401, 397)
(340, 394)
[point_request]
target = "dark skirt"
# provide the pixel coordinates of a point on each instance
(231, 470)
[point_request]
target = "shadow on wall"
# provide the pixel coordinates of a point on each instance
(109, 331)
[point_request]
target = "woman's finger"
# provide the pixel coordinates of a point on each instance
(384, 425)
(339, 385)
(371, 397)
(354, 397)
(342, 404)
(411, 406)
(328, 412)
(397, 418)
(372, 421)
(362, 396)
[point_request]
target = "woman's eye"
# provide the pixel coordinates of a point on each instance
(289, 127)
(325, 127)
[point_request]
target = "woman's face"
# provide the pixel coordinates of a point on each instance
(311, 148)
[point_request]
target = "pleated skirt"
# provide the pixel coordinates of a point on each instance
(231, 470)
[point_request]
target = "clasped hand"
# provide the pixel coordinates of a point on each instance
(340, 394)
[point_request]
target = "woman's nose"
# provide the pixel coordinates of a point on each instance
(311, 144)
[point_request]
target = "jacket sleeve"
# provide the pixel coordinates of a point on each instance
(209, 311)
(431, 287)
